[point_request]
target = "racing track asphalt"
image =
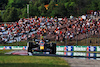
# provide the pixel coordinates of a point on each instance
(73, 62)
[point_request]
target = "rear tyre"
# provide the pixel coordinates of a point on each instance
(29, 49)
(30, 45)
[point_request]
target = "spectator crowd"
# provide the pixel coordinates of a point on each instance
(58, 29)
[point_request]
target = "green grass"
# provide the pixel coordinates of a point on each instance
(4, 51)
(30, 61)
(22, 43)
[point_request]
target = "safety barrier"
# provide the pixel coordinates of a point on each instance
(78, 48)
(78, 54)
(13, 47)
(58, 48)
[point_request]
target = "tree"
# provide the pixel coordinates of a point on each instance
(94, 5)
(71, 8)
(10, 15)
(22, 13)
(45, 1)
(33, 10)
(42, 10)
(17, 3)
(37, 3)
(64, 8)
(62, 1)
(99, 5)
(82, 6)
(59, 11)
(51, 7)
(3, 3)
(0, 19)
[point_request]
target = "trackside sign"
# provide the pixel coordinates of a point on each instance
(79, 54)
(60, 53)
(64, 48)
(68, 48)
(7, 47)
(98, 48)
(17, 47)
(80, 48)
(58, 48)
(92, 48)
(1, 47)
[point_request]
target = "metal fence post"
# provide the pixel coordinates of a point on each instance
(76, 37)
(98, 36)
(87, 36)
(66, 38)
(28, 10)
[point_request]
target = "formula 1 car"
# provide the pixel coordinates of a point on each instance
(41, 46)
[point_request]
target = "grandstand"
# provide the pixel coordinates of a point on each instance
(63, 30)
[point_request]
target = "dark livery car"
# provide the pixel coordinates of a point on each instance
(41, 46)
